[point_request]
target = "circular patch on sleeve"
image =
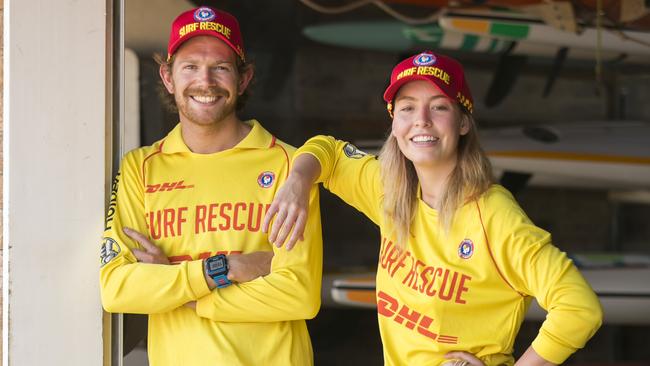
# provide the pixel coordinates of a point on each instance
(351, 151)
(110, 249)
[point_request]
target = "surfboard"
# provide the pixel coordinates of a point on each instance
(612, 155)
(518, 30)
(605, 154)
(394, 36)
(633, 14)
(620, 281)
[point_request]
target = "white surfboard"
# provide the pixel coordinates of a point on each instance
(607, 154)
(394, 36)
(612, 155)
(525, 30)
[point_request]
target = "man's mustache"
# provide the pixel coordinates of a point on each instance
(207, 92)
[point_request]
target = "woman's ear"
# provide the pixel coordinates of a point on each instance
(464, 125)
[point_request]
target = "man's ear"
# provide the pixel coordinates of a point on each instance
(245, 78)
(166, 77)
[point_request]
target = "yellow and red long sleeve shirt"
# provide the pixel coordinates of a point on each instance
(194, 206)
(467, 289)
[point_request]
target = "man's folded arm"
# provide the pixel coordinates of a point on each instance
(126, 285)
(290, 291)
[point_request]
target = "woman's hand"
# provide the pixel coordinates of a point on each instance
(288, 211)
(460, 358)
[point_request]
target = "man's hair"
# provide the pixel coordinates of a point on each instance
(167, 98)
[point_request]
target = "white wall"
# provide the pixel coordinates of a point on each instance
(54, 156)
(131, 133)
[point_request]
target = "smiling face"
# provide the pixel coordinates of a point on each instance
(427, 125)
(205, 81)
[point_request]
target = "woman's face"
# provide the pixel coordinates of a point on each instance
(427, 125)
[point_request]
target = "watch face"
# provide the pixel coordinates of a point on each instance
(215, 265)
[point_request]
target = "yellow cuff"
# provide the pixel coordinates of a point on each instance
(551, 350)
(197, 279)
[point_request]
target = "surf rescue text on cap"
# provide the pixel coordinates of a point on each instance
(206, 21)
(443, 71)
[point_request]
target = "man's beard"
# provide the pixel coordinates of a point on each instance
(217, 115)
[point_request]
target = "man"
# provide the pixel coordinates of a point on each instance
(200, 195)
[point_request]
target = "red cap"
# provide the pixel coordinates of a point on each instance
(206, 21)
(444, 72)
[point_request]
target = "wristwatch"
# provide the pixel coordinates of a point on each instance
(217, 268)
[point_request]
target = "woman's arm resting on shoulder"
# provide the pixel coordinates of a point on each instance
(291, 203)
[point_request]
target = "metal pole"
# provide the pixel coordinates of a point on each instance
(114, 323)
(118, 144)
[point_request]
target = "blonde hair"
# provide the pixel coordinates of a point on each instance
(470, 178)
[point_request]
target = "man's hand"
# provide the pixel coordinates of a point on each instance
(151, 253)
(244, 267)
(247, 267)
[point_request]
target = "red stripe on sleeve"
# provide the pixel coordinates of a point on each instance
(487, 242)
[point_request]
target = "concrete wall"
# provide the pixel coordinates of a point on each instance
(54, 163)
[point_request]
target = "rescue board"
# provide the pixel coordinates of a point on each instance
(518, 30)
(394, 36)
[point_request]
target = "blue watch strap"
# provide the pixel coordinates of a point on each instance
(221, 280)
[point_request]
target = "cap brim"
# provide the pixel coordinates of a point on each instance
(179, 42)
(392, 89)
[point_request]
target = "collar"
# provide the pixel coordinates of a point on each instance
(257, 138)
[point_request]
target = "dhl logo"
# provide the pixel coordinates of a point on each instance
(167, 186)
(388, 306)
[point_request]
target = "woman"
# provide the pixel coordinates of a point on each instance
(459, 260)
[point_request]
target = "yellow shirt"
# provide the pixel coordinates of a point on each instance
(194, 206)
(467, 290)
